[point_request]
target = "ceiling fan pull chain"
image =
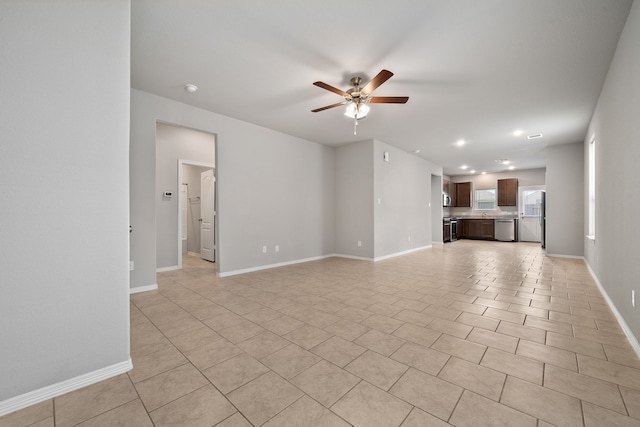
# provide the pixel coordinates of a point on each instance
(355, 126)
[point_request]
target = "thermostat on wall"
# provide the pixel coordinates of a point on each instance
(167, 194)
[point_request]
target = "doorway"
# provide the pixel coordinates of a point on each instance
(197, 210)
(530, 203)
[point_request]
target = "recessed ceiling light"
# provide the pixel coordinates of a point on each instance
(535, 136)
(483, 173)
(518, 132)
(464, 167)
(503, 161)
(511, 168)
(416, 151)
(191, 88)
(460, 142)
(472, 171)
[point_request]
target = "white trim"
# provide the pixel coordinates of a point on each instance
(298, 261)
(359, 258)
(31, 398)
(382, 258)
(266, 267)
(139, 289)
(566, 256)
(625, 328)
(196, 254)
(171, 268)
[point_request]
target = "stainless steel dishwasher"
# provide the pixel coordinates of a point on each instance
(505, 230)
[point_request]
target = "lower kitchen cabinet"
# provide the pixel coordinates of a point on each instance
(483, 229)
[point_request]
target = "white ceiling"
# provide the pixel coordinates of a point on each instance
(475, 70)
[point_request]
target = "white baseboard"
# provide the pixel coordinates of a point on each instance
(139, 289)
(567, 256)
(171, 268)
(382, 258)
(31, 398)
(625, 328)
(298, 261)
(268, 266)
(359, 258)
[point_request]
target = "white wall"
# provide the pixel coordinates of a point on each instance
(273, 189)
(437, 211)
(354, 200)
(173, 143)
(384, 205)
(402, 193)
(565, 200)
(64, 115)
(614, 254)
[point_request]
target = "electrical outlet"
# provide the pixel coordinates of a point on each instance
(359, 243)
(264, 249)
(277, 248)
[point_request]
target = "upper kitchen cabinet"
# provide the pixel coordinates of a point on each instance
(508, 192)
(463, 195)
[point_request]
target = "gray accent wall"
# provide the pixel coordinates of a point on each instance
(613, 256)
(354, 200)
(565, 200)
(64, 115)
(273, 189)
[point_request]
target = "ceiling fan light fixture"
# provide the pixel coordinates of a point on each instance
(357, 110)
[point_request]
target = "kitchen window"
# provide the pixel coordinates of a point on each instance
(485, 200)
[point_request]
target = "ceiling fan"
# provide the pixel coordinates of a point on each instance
(357, 98)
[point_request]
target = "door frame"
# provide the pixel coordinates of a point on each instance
(520, 208)
(183, 162)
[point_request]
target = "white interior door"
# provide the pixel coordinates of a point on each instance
(207, 214)
(530, 198)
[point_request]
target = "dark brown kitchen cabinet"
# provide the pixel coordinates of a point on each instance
(482, 229)
(463, 194)
(508, 192)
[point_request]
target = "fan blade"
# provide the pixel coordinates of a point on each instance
(382, 77)
(389, 99)
(327, 107)
(331, 89)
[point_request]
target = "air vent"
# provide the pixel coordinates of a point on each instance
(535, 136)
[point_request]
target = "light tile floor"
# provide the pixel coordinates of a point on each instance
(465, 334)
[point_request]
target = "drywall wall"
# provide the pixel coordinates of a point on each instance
(273, 189)
(402, 193)
(382, 205)
(173, 143)
(565, 200)
(354, 234)
(613, 256)
(64, 115)
(437, 211)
